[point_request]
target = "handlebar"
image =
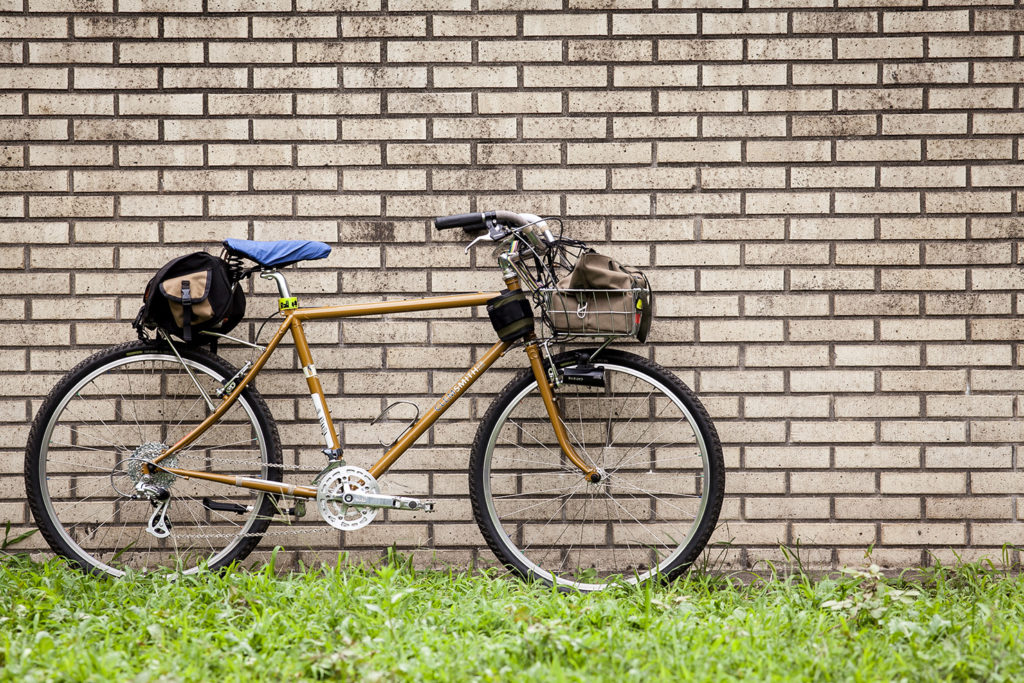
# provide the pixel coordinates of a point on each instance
(471, 222)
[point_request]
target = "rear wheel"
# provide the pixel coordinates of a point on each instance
(121, 407)
(661, 491)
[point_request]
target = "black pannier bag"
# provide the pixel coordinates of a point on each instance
(191, 294)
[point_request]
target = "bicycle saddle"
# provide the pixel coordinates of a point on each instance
(278, 253)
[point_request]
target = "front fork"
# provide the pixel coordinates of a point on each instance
(592, 474)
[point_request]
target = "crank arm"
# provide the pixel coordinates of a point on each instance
(370, 500)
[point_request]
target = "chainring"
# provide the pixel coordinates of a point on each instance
(335, 484)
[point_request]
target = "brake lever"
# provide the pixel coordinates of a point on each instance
(484, 238)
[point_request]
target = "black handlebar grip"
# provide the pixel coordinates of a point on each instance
(469, 221)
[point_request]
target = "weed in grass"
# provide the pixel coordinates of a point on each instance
(393, 622)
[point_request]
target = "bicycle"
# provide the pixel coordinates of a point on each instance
(591, 466)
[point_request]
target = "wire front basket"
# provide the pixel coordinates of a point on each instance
(593, 312)
(619, 309)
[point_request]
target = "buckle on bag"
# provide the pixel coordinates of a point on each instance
(581, 310)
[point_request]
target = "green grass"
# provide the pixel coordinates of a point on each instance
(394, 623)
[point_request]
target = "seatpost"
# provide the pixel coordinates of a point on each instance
(285, 300)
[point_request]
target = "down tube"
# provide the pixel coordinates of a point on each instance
(442, 404)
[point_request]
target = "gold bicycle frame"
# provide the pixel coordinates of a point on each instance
(292, 322)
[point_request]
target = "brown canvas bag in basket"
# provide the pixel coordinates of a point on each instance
(608, 306)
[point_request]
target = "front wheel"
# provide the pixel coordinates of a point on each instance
(121, 407)
(656, 505)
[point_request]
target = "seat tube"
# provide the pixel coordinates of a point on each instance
(316, 391)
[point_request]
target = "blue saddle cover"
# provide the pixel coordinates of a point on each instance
(279, 253)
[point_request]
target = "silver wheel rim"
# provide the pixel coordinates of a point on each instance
(679, 547)
(58, 412)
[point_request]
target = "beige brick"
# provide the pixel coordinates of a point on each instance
(318, 52)
(877, 406)
(33, 181)
(881, 48)
(968, 149)
(261, 104)
(793, 100)
(579, 24)
(116, 181)
(563, 128)
(835, 74)
(787, 49)
(923, 534)
(198, 77)
(967, 457)
(295, 27)
(34, 78)
(188, 180)
(740, 23)
(392, 26)
(789, 355)
(969, 508)
(878, 150)
(702, 101)
(112, 27)
(160, 155)
(250, 155)
(654, 23)
(160, 104)
(861, 535)
(511, 102)
(429, 154)
(797, 151)
(651, 178)
(33, 27)
(488, 26)
(740, 330)
(215, 129)
(610, 51)
(787, 202)
(295, 77)
(66, 207)
(887, 507)
(786, 508)
(70, 104)
(377, 129)
(839, 176)
(881, 98)
(980, 98)
(831, 330)
(698, 50)
(869, 457)
(700, 203)
(747, 74)
(344, 205)
(716, 381)
(332, 103)
(70, 53)
(261, 205)
(972, 354)
(71, 155)
(788, 407)
(479, 127)
(520, 50)
(925, 22)
(327, 155)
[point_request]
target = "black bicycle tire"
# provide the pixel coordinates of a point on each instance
(716, 483)
(33, 452)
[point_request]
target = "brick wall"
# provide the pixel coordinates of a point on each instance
(825, 195)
